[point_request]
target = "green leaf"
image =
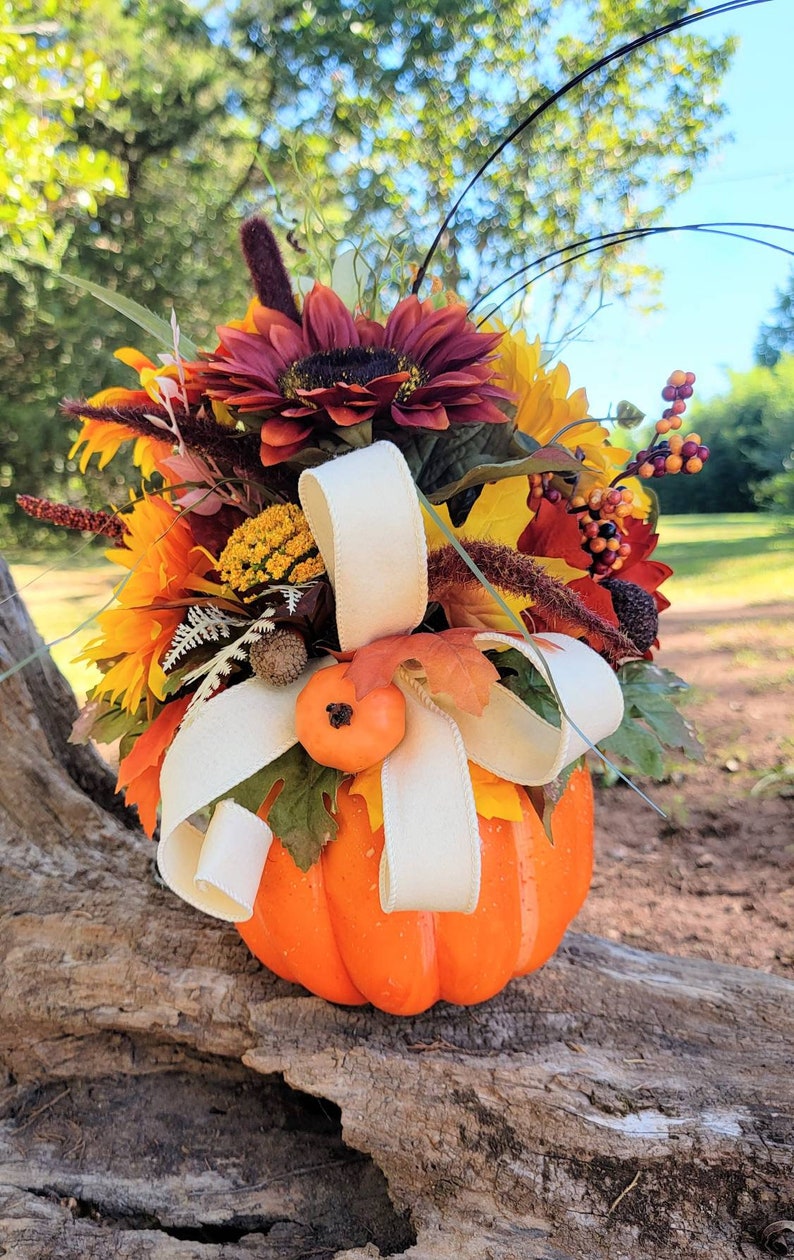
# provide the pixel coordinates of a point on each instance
(441, 459)
(155, 325)
(647, 676)
(357, 435)
(653, 515)
(637, 748)
(301, 816)
(111, 722)
(671, 727)
(628, 416)
(546, 459)
(652, 725)
(525, 681)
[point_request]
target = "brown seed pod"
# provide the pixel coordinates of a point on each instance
(278, 658)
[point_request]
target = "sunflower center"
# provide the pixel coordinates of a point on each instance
(354, 365)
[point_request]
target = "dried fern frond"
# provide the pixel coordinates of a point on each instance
(203, 623)
(214, 671)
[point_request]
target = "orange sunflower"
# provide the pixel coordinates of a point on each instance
(167, 570)
(103, 438)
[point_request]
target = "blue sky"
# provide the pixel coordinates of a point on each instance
(715, 291)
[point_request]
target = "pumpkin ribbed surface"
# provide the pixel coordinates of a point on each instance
(325, 929)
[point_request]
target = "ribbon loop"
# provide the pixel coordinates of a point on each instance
(229, 739)
(218, 871)
(365, 517)
(513, 741)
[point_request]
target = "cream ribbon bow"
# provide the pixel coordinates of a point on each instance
(364, 513)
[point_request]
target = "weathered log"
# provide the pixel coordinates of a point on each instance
(166, 1097)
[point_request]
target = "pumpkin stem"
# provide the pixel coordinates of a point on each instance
(339, 714)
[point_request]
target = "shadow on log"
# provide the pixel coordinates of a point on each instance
(165, 1097)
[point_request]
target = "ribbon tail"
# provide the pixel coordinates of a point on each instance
(230, 738)
(217, 871)
(431, 854)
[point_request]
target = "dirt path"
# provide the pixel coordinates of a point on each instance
(716, 879)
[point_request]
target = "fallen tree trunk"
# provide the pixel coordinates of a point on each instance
(164, 1096)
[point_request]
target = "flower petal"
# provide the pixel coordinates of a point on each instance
(284, 432)
(421, 417)
(370, 332)
(327, 323)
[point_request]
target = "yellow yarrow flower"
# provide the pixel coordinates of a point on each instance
(276, 546)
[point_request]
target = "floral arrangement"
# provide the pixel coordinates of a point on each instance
(387, 582)
(533, 518)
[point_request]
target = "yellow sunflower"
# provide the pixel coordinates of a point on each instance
(545, 407)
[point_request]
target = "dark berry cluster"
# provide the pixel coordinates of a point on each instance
(600, 518)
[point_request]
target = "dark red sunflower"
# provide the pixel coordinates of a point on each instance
(424, 368)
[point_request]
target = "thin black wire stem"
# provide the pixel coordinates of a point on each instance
(703, 231)
(623, 234)
(729, 6)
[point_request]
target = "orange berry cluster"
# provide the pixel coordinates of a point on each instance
(602, 512)
(540, 488)
(675, 453)
(601, 515)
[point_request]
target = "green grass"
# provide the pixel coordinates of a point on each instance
(719, 561)
(729, 560)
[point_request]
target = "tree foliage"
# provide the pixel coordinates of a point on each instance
(340, 121)
(776, 336)
(48, 176)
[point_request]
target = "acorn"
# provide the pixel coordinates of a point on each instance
(636, 611)
(279, 657)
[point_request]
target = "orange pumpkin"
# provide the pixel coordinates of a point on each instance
(325, 929)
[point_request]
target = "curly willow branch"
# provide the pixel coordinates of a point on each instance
(517, 574)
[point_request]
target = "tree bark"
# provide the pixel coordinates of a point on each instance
(166, 1097)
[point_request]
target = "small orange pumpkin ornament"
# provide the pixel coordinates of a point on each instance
(339, 730)
(325, 928)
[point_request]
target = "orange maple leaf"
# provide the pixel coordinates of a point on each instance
(452, 665)
(139, 771)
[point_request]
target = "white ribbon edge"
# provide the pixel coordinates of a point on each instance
(512, 741)
(229, 738)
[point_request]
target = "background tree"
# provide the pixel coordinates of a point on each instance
(48, 177)
(776, 337)
(367, 120)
